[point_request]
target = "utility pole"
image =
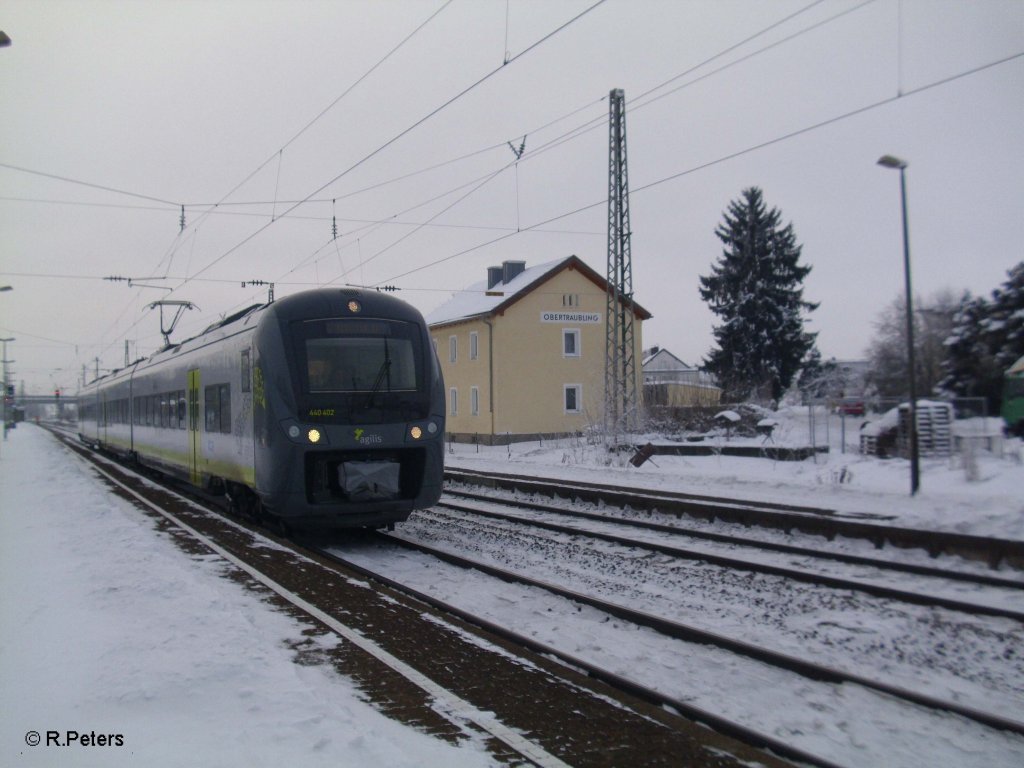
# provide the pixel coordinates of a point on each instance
(620, 396)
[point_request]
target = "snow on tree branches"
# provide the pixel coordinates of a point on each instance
(756, 288)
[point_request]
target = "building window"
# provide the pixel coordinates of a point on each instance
(474, 345)
(453, 348)
(570, 342)
(570, 299)
(474, 401)
(453, 399)
(571, 397)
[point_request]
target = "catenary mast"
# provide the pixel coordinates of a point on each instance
(620, 396)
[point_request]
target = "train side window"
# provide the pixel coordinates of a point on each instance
(218, 408)
(182, 408)
(211, 403)
(246, 372)
(225, 408)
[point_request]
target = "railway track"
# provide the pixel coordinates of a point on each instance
(819, 677)
(815, 521)
(438, 671)
(824, 688)
(816, 567)
(695, 634)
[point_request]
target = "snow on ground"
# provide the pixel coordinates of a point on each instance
(983, 496)
(108, 628)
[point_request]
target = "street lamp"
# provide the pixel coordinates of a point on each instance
(888, 161)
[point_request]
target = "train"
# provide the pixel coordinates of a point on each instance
(323, 408)
(1013, 398)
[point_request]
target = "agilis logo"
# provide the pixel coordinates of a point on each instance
(363, 439)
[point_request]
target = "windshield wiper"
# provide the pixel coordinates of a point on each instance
(384, 372)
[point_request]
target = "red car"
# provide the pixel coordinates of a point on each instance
(851, 406)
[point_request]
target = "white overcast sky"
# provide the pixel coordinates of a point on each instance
(115, 114)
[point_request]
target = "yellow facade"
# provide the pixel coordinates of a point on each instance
(535, 366)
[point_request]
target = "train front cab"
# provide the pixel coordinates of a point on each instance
(349, 411)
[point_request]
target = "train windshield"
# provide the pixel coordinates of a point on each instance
(361, 368)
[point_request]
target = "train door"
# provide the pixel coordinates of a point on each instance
(194, 436)
(101, 418)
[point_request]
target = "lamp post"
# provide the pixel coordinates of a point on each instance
(888, 161)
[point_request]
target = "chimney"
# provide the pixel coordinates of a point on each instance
(493, 276)
(512, 269)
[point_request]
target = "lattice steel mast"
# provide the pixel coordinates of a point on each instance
(620, 396)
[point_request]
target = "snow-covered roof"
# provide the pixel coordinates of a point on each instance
(666, 361)
(478, 300)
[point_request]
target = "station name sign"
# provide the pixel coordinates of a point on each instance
(570, 317)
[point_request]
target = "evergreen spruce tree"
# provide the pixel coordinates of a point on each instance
(969, 367)
(987, 338)
(756, 288)
(1006, 321)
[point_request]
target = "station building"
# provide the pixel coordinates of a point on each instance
(523, 352)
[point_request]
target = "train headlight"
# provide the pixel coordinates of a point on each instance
(294, 431)
(313, 435)
(354, 306)
(416, 433)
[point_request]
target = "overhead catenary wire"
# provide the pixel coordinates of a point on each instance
(590, 125)
(704, 166)
(324, 111)
(169, 254)
(725, 158)
(635, 106)
(92, 185)
(598, 121)
(408, 129)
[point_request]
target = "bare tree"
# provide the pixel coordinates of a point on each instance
(887, 352)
